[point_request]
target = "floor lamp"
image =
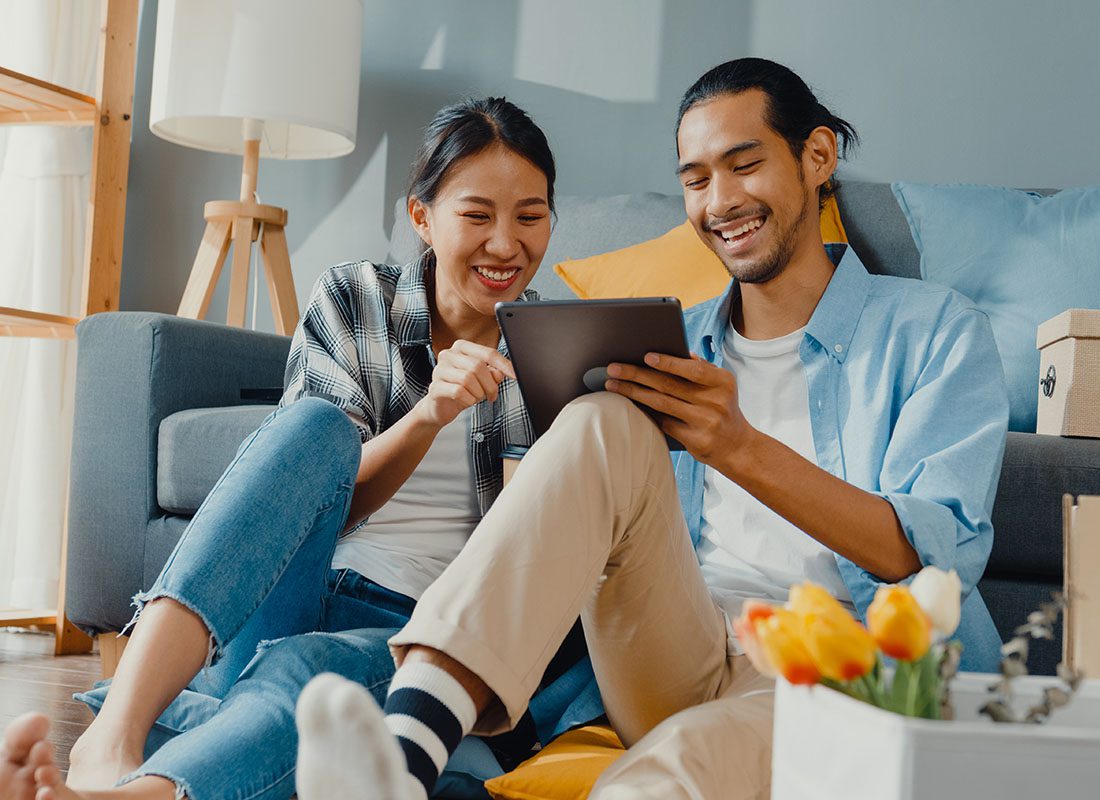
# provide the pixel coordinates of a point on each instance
(259, 79)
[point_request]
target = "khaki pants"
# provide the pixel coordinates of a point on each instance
(591, 526)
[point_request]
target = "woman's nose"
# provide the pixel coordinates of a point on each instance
(503, 243)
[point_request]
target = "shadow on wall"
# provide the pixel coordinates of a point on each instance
(603, 79)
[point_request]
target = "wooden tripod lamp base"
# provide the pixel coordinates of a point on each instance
(241, 223)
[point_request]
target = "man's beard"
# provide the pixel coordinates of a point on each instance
(771, 264)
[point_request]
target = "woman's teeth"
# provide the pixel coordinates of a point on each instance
(496, 275)
(748, 226)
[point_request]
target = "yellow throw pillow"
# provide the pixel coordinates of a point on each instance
(566, 769)
(676, 264)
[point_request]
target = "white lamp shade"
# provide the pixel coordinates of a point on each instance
(291, 64)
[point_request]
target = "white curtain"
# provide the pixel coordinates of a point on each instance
(44, 174)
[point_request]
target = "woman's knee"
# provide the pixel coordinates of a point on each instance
(320, 432)
(293, 661)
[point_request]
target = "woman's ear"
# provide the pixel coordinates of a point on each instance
(418, 216)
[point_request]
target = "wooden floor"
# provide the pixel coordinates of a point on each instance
(33, 679)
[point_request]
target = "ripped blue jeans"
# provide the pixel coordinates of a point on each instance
(255, 566)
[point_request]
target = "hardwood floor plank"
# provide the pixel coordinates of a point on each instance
(33, 679)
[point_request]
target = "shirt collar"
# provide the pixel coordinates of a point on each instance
(410, 314)
(833, 323)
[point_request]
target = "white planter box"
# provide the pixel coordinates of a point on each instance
(828, 746)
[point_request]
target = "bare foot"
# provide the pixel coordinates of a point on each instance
(100, 758)
(24, 738)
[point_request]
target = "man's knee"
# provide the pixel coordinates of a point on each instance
(608, 410)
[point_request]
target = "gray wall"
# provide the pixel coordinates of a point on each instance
(988, 91)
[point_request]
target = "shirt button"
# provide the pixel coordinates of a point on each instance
(839, 348)
(479, 437)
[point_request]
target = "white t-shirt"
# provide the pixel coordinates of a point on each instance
(406, 544)
(746, 549)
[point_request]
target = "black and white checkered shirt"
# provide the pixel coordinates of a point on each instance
(365, 344)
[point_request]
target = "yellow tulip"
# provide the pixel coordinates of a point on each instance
(781, 638)
(898, 624)
(744, 627)
(809, 598)
(842, 648)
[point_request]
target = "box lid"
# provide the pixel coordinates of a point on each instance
(1078, 323)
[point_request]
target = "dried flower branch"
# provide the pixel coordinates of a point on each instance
(1039, 625)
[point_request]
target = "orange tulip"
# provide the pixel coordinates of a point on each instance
(744, 627)
(781, 638)
(898, 624)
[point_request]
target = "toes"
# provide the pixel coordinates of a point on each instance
(41, 754)
(312, 713)
(47, 777)
(22, 734)
(352, 706)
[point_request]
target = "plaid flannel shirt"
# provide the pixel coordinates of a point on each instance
(365, 344)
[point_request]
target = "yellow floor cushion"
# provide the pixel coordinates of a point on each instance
(566, 769)
(676, 264)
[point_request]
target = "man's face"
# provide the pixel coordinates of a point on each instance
(744, 191)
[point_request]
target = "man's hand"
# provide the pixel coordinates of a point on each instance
(696, 403)
(464, 375)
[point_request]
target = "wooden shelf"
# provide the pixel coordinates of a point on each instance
(28, 101)
(25, 617)
(35, 324)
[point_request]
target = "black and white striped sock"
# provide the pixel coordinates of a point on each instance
(428, 712)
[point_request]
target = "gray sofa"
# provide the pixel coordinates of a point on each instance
(160, 413)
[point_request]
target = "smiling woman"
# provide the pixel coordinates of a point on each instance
(347, 502)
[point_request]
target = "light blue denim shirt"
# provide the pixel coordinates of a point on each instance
(908, 401)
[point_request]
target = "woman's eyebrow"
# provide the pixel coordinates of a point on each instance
(485, 201)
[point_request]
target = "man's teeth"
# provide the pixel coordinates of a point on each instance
(748, 226)
(495, 275)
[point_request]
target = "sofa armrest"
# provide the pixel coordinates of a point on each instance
(133, 370)
(1027, 515)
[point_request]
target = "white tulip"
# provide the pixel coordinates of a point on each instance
(939, 593)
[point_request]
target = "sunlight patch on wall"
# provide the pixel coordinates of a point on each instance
(351, 230)
(610, 49)
(433, 59)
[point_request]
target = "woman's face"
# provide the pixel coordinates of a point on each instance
(489, 226)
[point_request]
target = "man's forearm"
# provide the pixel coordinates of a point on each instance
(858, 525)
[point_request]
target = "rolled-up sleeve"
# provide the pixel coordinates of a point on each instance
(941, 468)
(324, 361)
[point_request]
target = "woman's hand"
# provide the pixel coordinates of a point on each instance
(464, 375)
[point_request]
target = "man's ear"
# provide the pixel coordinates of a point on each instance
(819, 155)
(418, 216)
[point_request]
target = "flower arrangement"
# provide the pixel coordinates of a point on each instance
(813, 639)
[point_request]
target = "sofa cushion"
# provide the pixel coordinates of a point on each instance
(1027, 514)
(1021, 257)
(195, 446)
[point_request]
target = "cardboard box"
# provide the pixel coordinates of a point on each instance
(1081, 637)
(1069, 374)
(829, 746)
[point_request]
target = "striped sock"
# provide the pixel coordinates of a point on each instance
(428, 712)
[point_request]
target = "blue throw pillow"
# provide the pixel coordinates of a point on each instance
(472, 764)
(1021, 257)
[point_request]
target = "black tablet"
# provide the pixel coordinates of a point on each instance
(561, 348)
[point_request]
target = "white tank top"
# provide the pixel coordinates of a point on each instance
(407, 543)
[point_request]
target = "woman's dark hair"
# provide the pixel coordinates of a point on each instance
(468, 127)
(792, 109)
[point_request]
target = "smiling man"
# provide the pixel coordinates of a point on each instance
(840, 427)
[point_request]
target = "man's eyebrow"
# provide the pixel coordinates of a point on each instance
(737, 149)
(485, 201)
